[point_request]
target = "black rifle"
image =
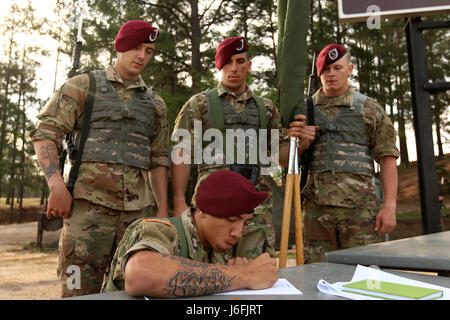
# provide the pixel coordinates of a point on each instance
(68, 147)
(77, 49)
(305, 159)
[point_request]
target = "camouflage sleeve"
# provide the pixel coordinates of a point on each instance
(382, 135)
(191, 111)
(146, 235)
(194, 109)
(274, 121)
(160, 143)
(62, 111)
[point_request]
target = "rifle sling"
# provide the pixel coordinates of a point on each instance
(306, 157)
(176, 221)
(73, 174)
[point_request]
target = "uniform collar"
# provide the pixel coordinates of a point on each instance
(346, 99)
(247, 94)
(113, 76)
(196, 249)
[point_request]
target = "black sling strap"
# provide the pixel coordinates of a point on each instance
(176, 221)
(73, 173)
(305, 160)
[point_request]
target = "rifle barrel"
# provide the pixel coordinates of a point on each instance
(312, 77)
(80, 25)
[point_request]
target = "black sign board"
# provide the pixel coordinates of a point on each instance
(361, 10)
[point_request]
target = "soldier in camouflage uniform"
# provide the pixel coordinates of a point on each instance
(124, 158)
(341, 206)
(240, 109)
(190, 255)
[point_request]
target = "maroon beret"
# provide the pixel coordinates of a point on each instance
(330, 54)
(226, 193)
(228, 47)
(134, 33)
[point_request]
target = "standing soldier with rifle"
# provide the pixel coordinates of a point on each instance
(121, 143)
(341, 206)
(238, 107)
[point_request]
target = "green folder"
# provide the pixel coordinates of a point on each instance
(391, 291)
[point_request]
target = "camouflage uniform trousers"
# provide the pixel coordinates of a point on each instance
(88, 241)
(259, 235)
(328, 228)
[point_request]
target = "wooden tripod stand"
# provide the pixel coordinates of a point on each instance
(292, 190)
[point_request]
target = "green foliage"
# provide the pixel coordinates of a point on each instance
(18, 86)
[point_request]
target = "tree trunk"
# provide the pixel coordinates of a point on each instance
(43, 191)
(23, 117)
(404, 157)
(274, 44)
(12, 171)
(195, 45)
(437, 125)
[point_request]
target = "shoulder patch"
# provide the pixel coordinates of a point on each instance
(160, 220)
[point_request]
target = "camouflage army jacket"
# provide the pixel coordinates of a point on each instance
(106, 184)
(160, 236)
(352, 190)
(196, 108)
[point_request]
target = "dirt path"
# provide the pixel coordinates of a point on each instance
(27, 274)
(25, 233)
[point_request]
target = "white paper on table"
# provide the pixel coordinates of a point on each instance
(281, 287)
(365, 273)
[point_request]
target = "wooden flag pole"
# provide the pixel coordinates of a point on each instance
(288, 192)
(298, 214)
(292, 190)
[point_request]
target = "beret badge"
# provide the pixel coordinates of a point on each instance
(333, 54)
(154, 35)
(241, 45)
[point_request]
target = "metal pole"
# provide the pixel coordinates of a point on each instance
(431, 217)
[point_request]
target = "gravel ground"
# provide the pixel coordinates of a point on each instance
(26, 273)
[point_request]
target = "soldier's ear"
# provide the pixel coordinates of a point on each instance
(201, 214)
(350, 68)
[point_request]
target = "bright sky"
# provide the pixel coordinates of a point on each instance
(48, 68)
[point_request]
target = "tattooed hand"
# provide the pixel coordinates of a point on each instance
(262, 272)
(237, 261)
(60, 200)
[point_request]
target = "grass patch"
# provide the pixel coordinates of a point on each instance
(27, 202)
(445, 212)
(32, 246)
(409, 215)
(290, 254)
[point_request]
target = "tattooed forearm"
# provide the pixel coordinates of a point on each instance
(195, 278)
(198, 282)
(48, 159)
